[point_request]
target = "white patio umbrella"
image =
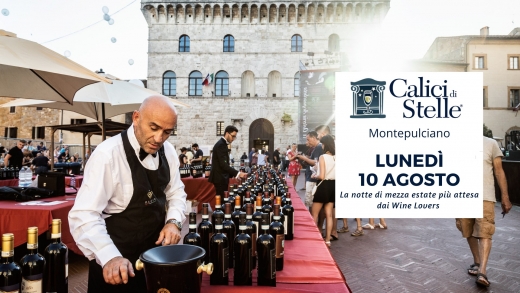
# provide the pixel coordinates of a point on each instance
(32, 71)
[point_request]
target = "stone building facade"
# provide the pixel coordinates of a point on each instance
(497, 57)
(255, 49)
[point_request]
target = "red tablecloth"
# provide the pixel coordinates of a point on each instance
(9, 182)
(16, 218)
(202, 190)
(308, 264)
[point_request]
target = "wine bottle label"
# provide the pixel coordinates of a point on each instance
(32, 286)
(55, 235)
(249, 217)
(218, 227)
(242, 227)
(225, 262)
(285, 224)
(265, 227)
(205, 216)
(272, 265)
(66, 271)
(32, 246)
(253, 251)
(192, 226)
(7, 253)
(218, 206)
(227, 216)
(279, 245)
(276, 218)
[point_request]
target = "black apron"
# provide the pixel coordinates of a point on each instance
(137, 228)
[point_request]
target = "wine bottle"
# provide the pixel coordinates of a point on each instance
(226, 197)
(247, 199)
(288, 212)
(237, 211)
(10, 272)
(219, 254)
(243, 274)
(32, 264)
(267, 206)
(276, 230)
(251, 230)
(193, 238)
(230, 230)
(56, 254)
(205, 230)
(218, 208)
(257, 215)
(278, 201)
(266, 253)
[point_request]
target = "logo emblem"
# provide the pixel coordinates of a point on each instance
(150, 194)
(163, 290)
(367, 95)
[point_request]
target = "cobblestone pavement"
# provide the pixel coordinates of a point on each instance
(425, 255)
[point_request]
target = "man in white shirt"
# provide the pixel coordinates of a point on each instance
(120, 209)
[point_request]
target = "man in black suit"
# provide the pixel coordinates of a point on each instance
(220, 169)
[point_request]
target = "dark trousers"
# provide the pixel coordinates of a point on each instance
(97, 284)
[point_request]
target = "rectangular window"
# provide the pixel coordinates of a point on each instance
(513, 62)
(11, 132)
(174, 132)
(78, 121)
(12, 110)
(39, 108)
(38, 132)
(220, 128)
(297, 87)
(479, 62)
(514, 97)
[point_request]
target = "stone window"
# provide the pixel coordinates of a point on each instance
(513, 62)
(12, 110)
(229, 43)
(184, 43)
(485, 96)
(39, 108)
(11, 132)
(479, 61)
(296, 43)
(248, 84)
(174, 131)
(195, 84)
(333, 43)
(274, 84)
(169, 83)
(514, 97)
(222, 84)
(38, 132)
(220, 128)
(297, 84)
(78, 121)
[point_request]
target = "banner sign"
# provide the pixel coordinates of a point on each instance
(409, 145)
(316, 101)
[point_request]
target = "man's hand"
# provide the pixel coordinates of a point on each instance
(506, 205)
(242, 175)
(170, 234)
(117, 270)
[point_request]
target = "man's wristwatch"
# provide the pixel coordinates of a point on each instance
(175, 222)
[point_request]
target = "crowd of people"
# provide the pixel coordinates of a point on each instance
(38, 158)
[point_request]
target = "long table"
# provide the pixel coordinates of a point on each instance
(308, 265)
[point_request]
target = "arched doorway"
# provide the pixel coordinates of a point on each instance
(261, 134)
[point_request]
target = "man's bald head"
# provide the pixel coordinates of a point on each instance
(154, 122)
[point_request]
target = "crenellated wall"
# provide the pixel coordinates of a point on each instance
(253, 12)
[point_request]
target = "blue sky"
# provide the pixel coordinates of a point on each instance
(409, 28)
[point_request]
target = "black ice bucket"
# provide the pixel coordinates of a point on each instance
(174, 268)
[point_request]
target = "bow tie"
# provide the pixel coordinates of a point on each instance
(143, 154)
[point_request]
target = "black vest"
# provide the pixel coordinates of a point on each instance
(136, 229)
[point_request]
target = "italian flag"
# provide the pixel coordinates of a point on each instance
(208, 80)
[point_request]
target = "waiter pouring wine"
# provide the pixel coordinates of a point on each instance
(132, 199)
